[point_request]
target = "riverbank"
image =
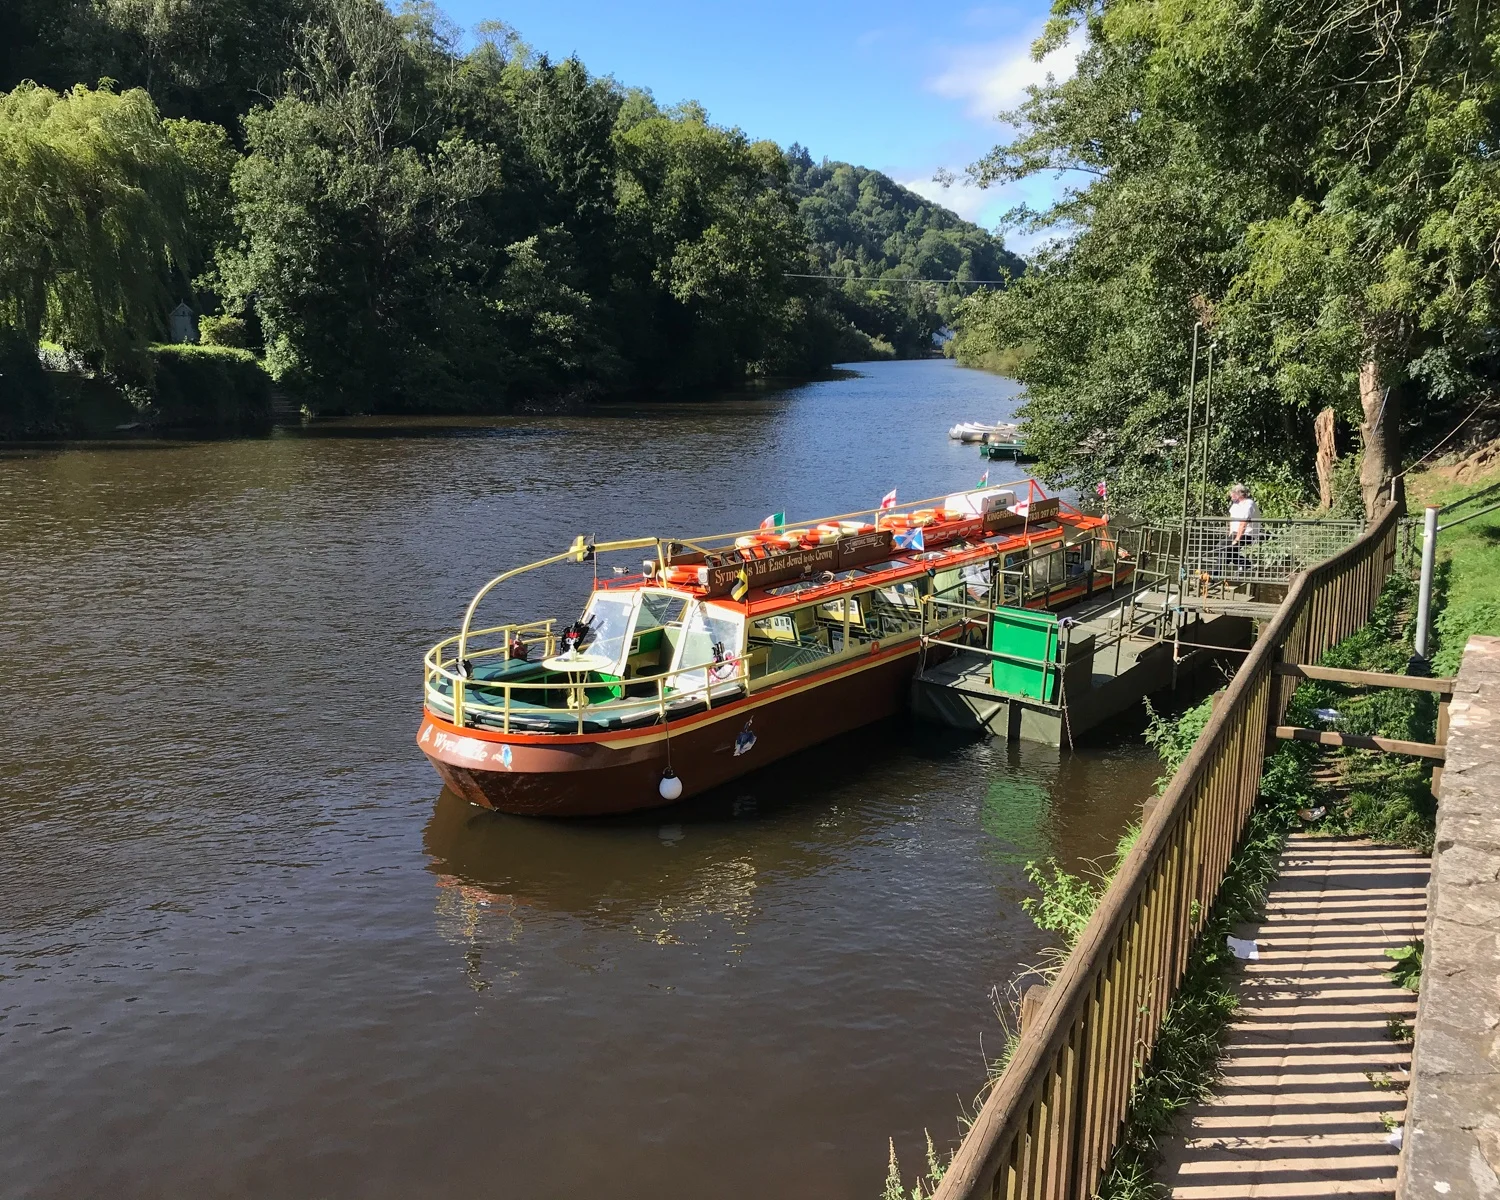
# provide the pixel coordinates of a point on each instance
(1383, 798)
(224, 391)
(179, 388)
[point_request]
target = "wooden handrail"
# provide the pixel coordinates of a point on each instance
(1360, 741)
(1416, 683)
(1049, 1125)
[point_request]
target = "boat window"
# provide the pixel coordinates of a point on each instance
(822, 579)
(609, 622)
(978, 577)
(1105, 548)
(950, 586)
(661, 608)
(889, 611)
(1014, 575)
(798, 638)
(1076, 559)
(889, 565)
(1047, 570)
(711, 636)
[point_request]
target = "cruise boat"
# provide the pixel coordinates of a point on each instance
(716, 655)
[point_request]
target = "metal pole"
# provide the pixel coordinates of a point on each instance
(1208, 401)
(1424, 592)
(1187, 465)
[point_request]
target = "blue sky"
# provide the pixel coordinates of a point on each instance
(904, 88)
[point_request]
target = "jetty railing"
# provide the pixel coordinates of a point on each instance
(1050, 1123)
(1276, 550)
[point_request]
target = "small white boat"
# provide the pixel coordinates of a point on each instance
(975, 431)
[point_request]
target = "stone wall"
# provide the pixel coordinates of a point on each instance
(1453, 1115)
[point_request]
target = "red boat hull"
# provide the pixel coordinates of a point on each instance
(596, 774)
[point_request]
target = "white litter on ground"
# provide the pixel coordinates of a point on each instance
(1243, 948)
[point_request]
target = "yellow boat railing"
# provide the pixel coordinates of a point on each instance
(704, 682)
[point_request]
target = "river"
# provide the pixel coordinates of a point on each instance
(247, 945)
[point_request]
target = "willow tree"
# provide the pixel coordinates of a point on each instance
(1317, 178)
(104, 211)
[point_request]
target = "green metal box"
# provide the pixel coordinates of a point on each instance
(1032, 654)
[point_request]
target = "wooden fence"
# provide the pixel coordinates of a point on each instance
(1051, 1122)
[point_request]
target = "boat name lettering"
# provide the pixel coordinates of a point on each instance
(461, 746)
(761, 572)
(856, 549)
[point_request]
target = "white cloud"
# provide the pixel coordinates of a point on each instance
(994, 76)
(962, 197)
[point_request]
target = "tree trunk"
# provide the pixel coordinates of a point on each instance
(1323, 433)
(1379, 434)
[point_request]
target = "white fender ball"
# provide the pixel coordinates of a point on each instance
(670, 786)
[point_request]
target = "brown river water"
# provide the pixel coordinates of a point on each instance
(249, 948)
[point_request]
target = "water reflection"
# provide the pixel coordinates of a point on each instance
(666, 874)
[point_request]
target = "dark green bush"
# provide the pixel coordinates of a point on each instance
(28, 406)
(224, 331)
(209, 387)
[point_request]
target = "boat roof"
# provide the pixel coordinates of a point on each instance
(902, 565)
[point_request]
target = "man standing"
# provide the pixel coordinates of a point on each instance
(1244, 527)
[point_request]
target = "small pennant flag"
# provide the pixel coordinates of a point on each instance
(774, 521)
(741, 587)
(984, 480)
(1103, 489)
(888, 500)
(911, 540)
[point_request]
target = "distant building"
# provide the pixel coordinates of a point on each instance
(182, 322)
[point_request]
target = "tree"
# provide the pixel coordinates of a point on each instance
(105, 212)
(1315, 176)
(208, 60)
(708, 232)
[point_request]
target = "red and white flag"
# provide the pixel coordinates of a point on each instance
(888, 500)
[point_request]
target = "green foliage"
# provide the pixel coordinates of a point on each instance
(104, 212)
(205, 59)
(214, 387)
(1065, 902)
(224, 331)
(1407, 972)
(27, 404)
(894, 1188)
(1004, 361)
(414, 224)
(1315, 186)
(1385, 797)
(864, 227)
(1173, 738)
